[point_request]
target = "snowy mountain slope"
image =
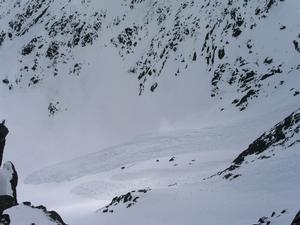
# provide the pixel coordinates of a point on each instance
(281, 137)
(263, 186)
(212, 76)
(47, 40)
(265, 193)
(231, 37)
(60, 62)
(220, 139)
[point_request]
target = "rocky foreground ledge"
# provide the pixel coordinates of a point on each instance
(12, 213)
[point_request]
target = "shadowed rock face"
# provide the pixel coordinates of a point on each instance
(8, 185)
(6, 202)
(296, 221)
(283, 135)
(3, 133)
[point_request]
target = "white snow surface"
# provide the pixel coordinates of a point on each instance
(179, 194)
(27, 215)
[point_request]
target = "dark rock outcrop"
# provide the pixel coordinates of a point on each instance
(129, 200)
(6, 202)
(8, 195)
(8, 182)
(296, 220)
(282, 136)
(4, 219)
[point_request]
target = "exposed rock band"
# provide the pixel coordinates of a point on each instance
(8, 176)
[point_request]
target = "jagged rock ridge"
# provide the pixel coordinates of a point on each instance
(129, 200)
(281, 137)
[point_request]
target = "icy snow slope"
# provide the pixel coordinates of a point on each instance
(179, 188)
(163, 144)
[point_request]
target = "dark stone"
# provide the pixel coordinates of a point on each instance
(6, 202)
(296, 46)
(52, 50)
(236, 32)
(3, 133)
(268, 60)
(53, 108)
(245, 98)
(172, 159)
(195, 56)
(221, 53)
(27, 49)
(27, 203)
(5, 81)
(296, 220)
(227, 176)
(56, 217)
(154, 86)
(282, 27)
(4, 219)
